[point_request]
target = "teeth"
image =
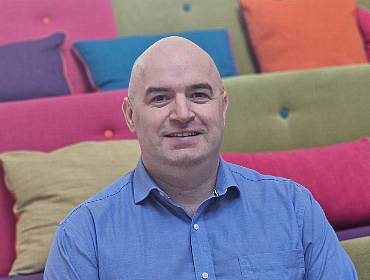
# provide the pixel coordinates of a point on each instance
(183, 134)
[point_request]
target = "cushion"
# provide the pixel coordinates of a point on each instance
(109, 62)
(165, 16)
(32, 69)
(289, 35)
(337, 175)
(83, 19)
(47, 185)
(363, 19)
(51, 123)
(358, 250)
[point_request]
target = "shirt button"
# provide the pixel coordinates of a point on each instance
(205, 275)
(196, 226)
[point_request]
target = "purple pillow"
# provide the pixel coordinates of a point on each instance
(32, 69)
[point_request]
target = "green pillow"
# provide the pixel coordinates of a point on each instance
(48, 185)
(359, 251)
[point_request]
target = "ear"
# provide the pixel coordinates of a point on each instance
(225, 103)
(128, 113)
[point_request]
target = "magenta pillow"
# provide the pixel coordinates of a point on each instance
(363, 19)
(32, 69)
(337, 176)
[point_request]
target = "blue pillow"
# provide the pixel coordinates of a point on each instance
(109, 62)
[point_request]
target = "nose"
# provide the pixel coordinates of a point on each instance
(181, 110)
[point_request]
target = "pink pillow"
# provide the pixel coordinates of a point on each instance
(363, 19)
(337, 176)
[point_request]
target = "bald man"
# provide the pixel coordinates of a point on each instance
(184, 213)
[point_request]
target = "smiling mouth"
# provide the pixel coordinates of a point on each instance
(183, 134)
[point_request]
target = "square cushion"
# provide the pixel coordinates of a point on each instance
(48, 185)
(109, 62)
(363, 19)
(288, 35)
(82, 19)
(32, 69)
(337, 176)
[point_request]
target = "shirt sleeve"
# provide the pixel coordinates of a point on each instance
(72, 254)
(325, 258)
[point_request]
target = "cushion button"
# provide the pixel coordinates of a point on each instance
(186, 7)
(108, 134)
(284, 112)
(46, 19)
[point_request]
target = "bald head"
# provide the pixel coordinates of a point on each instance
(176, 53)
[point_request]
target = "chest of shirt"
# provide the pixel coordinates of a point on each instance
(224, 240)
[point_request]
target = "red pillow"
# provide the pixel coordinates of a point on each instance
(363, 20)
(288, 35)
(338, 176)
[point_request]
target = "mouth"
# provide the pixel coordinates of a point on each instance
(181, 134)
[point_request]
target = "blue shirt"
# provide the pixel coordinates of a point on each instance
(253, 227)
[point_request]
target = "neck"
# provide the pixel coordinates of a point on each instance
(188, 185)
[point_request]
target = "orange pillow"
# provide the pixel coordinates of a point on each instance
(292, 34)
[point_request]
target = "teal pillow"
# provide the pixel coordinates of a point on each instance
(109, 62)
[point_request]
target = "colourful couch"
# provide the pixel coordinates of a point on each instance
(268, 112)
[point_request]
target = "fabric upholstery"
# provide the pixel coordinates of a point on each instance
(353, 232)
(91, 19)
(280, 111)
(358, 249)
(289, 35)
(109, 62)
(363, 19)
(147, 17)
(44, 196)
(337, 176)
(36, 276)
(48, 124)
(32, 69)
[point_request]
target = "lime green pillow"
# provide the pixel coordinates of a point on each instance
(48, 185)
(359, 251)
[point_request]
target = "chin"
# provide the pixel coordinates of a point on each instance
(188, 157)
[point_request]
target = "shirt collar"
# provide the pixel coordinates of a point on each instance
(144, 184)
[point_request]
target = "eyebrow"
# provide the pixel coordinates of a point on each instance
(191, 87)
(156, 89)
(202, 86)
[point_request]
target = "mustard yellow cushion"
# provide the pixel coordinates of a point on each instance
(359, 251)
(48, 185)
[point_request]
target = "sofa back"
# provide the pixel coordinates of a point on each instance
(286, 110)
(165, 16)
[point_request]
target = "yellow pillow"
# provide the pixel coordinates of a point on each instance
(48, 185)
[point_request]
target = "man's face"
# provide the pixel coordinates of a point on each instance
(178, 111)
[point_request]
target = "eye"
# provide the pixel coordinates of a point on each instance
(200, 97)
(160, 99)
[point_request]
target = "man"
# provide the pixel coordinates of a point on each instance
(184, 213)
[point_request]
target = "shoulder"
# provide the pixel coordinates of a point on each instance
(100, 201)
(279, 189)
